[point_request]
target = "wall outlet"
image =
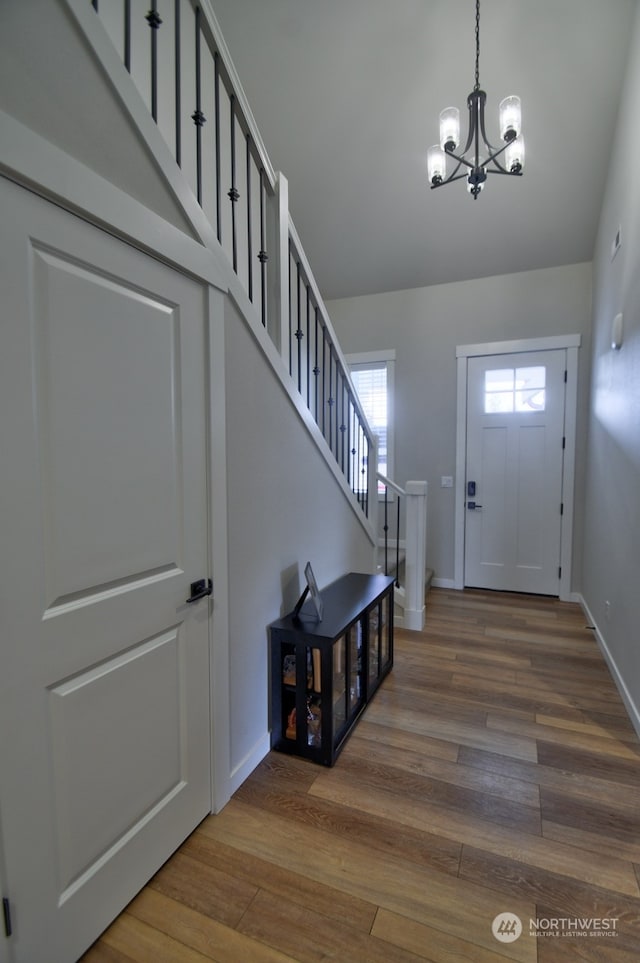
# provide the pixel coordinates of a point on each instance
(446, 481)
(607, 610)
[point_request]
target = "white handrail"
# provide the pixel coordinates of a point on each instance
(390, 484)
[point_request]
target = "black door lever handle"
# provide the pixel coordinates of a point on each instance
(199, 589)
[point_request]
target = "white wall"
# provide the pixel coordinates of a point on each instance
(284, 509)
(611, 570)
(424, 325)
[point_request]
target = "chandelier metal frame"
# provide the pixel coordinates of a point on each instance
(477, 167)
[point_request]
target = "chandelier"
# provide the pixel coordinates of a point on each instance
(508, 159)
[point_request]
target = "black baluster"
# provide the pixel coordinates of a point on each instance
(218, 160)
(368, 474)
(338, 419)
(336, 409)
(299, 334)
(385, 528)
(349, 420)
(352, 418)
(290, 314)
(316, 367)
(197, 116)
(330, 399)
(233, 194)
(249, 236)
(127, 34)
(365, 472)
(343, 426)
(154, 20)
(308, 348)
(351, 450)
(177, 82)
(398, 543)
(358, 462)
(263, 257)
(324, 368)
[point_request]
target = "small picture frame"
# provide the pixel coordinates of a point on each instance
(311, 588)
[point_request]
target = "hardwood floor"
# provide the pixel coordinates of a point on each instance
(495, 771)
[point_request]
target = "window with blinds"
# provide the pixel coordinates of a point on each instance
(372, 383)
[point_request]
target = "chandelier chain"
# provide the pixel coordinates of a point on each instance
(477, 83)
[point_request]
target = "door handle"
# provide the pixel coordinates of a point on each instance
(474, 507)
(199, 589)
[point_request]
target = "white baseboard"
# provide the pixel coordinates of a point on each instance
(443, 583)
(572, 597)
(414, 619)
(242, 771)
(449, 583)
(630, 706)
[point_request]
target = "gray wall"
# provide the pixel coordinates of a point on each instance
(284, 509)
(425, 325)
(611, 569)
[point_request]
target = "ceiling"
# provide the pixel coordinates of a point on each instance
(347, 93)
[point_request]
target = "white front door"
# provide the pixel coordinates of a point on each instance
(514, 461)
(104, 682)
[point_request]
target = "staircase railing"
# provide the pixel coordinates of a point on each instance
(321, 375)
(414, 498)
(390, 551)
(179, 62)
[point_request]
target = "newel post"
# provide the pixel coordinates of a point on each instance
(416, 554)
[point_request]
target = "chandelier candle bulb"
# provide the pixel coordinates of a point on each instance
(436, 164)
(449, 128)
(514, 156)
(510, 118)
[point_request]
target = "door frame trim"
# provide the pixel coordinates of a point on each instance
(571, 343)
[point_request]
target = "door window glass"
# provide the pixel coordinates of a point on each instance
(515, 389)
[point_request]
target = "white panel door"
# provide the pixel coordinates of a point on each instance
(515, 423)
(104, 682)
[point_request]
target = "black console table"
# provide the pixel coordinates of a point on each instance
(323, 674)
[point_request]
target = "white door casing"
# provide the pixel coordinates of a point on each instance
(104, 686)
(469, 356)
(514, 462)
